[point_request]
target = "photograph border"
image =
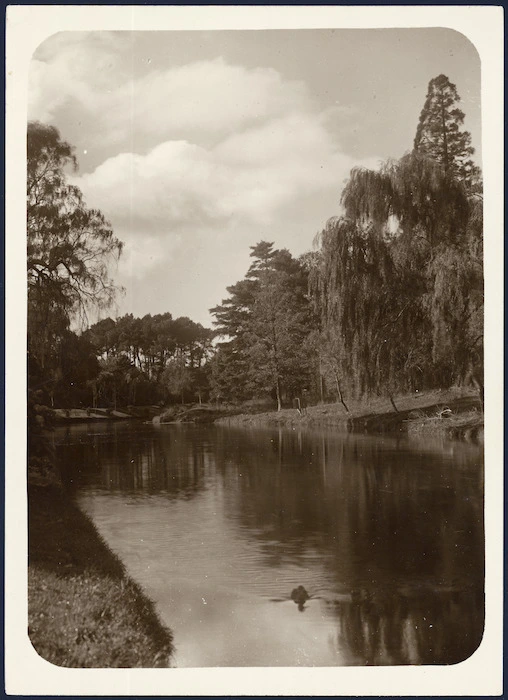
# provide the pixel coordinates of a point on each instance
(26, 673)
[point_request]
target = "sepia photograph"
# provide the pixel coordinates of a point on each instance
(255, 291)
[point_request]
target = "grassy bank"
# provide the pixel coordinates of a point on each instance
(82, 415)
(83, 610)
(450, 413)
(204, 413)
(466, 425)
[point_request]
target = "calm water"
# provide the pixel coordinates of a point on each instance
(219, 525)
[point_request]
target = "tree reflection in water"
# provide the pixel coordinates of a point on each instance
(390, 628)
(399, 531)
(385, 535)
(133, 461)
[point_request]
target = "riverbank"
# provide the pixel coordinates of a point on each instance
(202, 414)
(83, 610)
(451, 413)
(82, 415)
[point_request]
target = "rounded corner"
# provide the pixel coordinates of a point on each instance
(50, 37)
(473, 651)
(466, 39)
(39, 654)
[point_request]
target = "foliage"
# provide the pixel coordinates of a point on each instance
(177, 379)
(390, 301)
(169, 355)
(267, 318)
(399, 282)
(69, 247)
(439, 134)
(69, 250)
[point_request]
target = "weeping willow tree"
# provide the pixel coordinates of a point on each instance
(413, 197)
(399, 283)
(455, 304)
(354, 287)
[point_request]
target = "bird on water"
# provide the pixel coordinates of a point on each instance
(300, 596)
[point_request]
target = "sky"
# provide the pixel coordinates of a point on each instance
(197, 145)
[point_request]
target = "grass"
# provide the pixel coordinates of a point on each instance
(197, 413)
(422, 412)
(467, 425)
(83, 610)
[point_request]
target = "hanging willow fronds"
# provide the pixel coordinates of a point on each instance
(387, 283)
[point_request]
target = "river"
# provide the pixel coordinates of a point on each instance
(219, 525)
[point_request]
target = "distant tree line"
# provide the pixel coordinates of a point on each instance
(149, 359)
(128, 361)
(390, 300)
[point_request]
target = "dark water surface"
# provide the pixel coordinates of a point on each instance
(219, 525)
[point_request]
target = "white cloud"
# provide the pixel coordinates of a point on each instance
(184, 210)
(270, 143)
(85, 79)
(207, 95)
(70, 71)
(192, 164)
(247, 177)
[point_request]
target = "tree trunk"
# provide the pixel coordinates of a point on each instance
(393, 403)
(277, 389)
(339, 392)
(445, 139)
(321, 392)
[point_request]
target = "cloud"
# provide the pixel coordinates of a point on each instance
(188, 214)
(82, 77)
(207, 95)
(203, 146)
(191, 163)
(248, 177)
(70, 71)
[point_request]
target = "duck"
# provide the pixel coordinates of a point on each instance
(300, 596)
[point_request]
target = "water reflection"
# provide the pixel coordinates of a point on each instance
(117, 458)
(385, 536)
(388, 627)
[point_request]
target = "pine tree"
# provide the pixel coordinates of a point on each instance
(266, 319)
(439, 135)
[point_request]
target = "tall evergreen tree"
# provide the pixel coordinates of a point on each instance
(278, 328)
(266, 321)
(439, 135)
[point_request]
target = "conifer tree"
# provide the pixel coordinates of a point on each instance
(266, 320)
(439, 135)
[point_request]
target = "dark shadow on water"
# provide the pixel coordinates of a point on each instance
(386, 628)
